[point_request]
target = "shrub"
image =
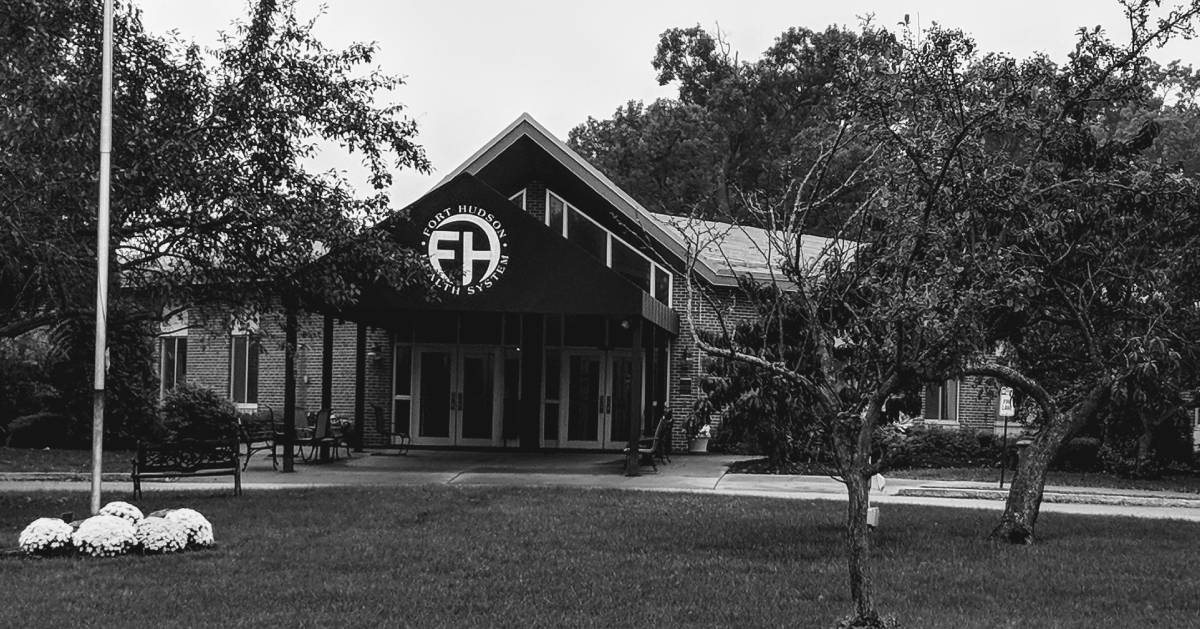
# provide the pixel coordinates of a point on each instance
(131, 388)
(199, 529)
(42, 430)
(1081, 454)
(922, 447)
(122, 510)
(104, 536)
(160, 535)
(194, 412)
(45, 536)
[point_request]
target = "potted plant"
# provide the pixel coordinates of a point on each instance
(698, 432)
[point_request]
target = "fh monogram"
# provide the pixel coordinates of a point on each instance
(467, 248)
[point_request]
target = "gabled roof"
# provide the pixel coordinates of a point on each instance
(742, 250)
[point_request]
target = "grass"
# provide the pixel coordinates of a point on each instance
(451, 556)
(56, 460)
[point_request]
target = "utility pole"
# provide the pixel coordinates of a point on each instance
(102, 257)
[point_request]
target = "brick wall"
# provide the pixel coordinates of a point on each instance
(978, 403)
(209, 365)
(728, 305)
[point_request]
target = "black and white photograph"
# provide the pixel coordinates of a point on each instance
(362, 313)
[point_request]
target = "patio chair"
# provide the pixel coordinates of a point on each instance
(321, 436)
(384, 428)
(341, 437)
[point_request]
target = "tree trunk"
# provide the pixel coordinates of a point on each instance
(858, 487)
(1025, 494)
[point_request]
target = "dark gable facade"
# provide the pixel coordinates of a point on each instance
(553, 320)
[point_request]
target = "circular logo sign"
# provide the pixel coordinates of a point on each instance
(468, 249)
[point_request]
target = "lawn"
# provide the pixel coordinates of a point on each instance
(57, 460)
(453, 556)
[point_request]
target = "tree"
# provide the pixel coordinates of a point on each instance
(1001, 218)
(212, 196)
(735, 126)
(1081, 239)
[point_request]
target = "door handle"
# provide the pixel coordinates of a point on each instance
(608, 404)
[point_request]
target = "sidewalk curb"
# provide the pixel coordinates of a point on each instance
(1121, 500)
(60, 476)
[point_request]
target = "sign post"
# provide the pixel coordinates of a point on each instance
(102, 257)
(1006, 410)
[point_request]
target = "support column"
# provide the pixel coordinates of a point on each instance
(650, 419)
(289, 386)
(636, 399)
(360, 383)
(529, 408)
(327, 363)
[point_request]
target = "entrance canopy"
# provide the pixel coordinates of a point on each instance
(483, 253)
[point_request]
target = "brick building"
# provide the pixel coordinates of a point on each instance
(969, 403)
(555, 318)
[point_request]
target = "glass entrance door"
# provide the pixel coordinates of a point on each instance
(585, 400)
(621, 391)
(456, 401)
(477, 414)
(598, 388)
(432, 407)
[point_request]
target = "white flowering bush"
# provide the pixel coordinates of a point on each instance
(104, 536)
(122, 510)
(160, 535)
(199, 529)
(45, 536)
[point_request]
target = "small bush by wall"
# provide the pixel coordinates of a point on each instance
(193, 412)
(925, 447)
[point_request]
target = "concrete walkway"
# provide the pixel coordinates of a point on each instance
(706, 474)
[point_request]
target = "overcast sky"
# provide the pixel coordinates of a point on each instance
(473, 67)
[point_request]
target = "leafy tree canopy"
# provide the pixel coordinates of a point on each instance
(211, 185)
(739, 133)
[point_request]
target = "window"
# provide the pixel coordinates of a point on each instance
(554, 213)
(632, 265)
(583, 232)
(243, 370)
(173, 362)
(550, 407)
(662, 285)
(172, 354)
(941, 401)
(518, 199)
(401, 388)
(607, 247)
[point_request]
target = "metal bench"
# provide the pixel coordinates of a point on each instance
(186, 459)
(259, 432)
(657, 449)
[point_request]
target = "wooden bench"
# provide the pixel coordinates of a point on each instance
(186, 459)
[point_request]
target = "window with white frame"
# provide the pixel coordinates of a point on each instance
(243, 362)
(607, 247)
(519, 199)
(941, 401)
(172, 351)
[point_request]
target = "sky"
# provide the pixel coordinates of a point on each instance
(472, 67)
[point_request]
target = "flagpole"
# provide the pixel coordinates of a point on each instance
(102, 256)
